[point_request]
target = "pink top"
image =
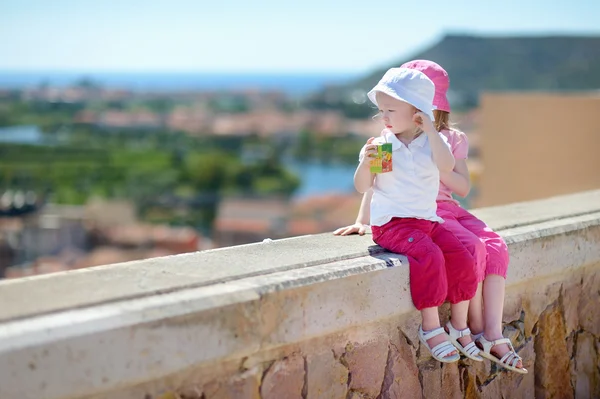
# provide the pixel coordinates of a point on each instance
(459, 145)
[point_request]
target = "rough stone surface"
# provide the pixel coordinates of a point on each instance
(482, 370)
(513, 305)
(327, 378)
(552, 369)
(410, 329)
(431, 377)
(246, 386)
(491, 389)
(366, 363)
(514, 334)
(536, 302)
(598, 355)
(589, 308)
(586, 361)
(571, 293)
(510, 385)
(171, 395)
(529, 356)
(468, 383)
(451, 381)
(284, 379)
(401, 379)
(357, 395)
(514, 385)
(191, 393)
(501, 383)
(571, 349)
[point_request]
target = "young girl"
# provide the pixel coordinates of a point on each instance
(403, 209)
(487, 247)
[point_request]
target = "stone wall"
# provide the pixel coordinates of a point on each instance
(310, 317)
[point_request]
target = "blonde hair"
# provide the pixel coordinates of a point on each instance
(442, 120)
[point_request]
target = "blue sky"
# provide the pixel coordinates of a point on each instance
(258, 36)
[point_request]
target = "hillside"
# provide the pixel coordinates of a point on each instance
(476, 63)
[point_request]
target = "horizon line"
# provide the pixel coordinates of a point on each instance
(183, 71)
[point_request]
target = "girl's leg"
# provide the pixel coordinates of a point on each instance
(428, 284)
(493, 284)
(431, 321)
(493, 298)
(412, 238)
(450, 213)
(461, 272)
(476, 314)
(458, 319)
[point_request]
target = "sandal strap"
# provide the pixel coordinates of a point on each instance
(511, 358)
(427, 335)
(502, 341)
(486, 346)
(472, 349)
(477, 336)
(454, 333)
(516, 361)
(443, 349)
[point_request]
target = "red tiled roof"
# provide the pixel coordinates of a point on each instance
(299, 227)
(243, 225)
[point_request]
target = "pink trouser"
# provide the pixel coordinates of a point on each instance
(487, 248)
(441, 268)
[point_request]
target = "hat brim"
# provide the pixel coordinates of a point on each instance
(386, 90)
(440, 102)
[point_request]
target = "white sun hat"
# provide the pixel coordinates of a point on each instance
(408, 85)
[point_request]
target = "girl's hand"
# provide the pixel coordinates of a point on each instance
(370, 150)
(356, 228)
(424, 122)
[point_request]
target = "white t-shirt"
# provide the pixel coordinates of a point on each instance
(411, 188)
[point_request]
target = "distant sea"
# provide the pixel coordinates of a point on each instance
(295, 84)
(318, 178)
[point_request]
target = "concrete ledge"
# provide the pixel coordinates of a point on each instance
(115, 329)
(157, 276)
(87, 287)
(92, 286)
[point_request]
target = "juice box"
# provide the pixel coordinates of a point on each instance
(382, 163)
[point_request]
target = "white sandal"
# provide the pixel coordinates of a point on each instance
(476, 336)
(441, 351)
(471, 350)
(508, 361)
